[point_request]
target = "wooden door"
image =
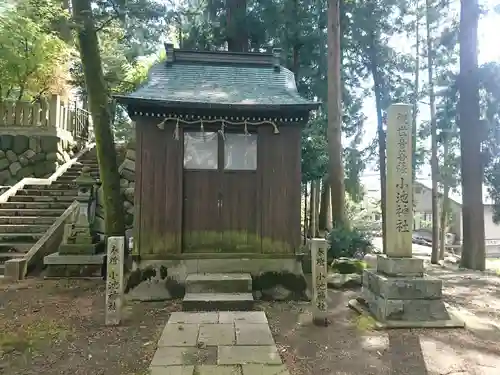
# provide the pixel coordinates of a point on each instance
(220, 188)
(201, 206)
(239, 205)
(239, 212)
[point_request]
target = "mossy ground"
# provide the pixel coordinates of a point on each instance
(347, 266)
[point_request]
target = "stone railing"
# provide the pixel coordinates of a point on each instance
(38, 138)
(54, 116)
(43, 181)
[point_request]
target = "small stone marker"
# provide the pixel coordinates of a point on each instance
(399, 193)
(319, 268)
(114, 280)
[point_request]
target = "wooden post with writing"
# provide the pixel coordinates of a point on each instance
(114, 280)
(399, 196)
(319, 247)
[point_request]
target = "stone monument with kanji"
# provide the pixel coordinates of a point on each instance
(398, 293)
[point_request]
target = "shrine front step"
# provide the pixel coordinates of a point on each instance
(219, 283)
(218, 302)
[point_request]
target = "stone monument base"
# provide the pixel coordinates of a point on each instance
(74, 266)
(398, 295)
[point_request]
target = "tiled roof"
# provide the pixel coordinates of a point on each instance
(211, 83)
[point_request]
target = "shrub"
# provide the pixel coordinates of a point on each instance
(347, 242)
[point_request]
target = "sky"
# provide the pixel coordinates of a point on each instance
(489, 50)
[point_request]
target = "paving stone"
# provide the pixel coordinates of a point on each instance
(217, 334)
(193, 317)
(169, 356)
(243, 354)
(171, 370)
(258, 317)
(179, 334)
(264, 370)
(253, 334)
(218, 370)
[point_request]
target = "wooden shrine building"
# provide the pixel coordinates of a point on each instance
(217, 155)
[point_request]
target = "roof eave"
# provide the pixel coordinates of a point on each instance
(127, 100)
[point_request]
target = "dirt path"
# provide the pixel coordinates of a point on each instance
(57, 327)
(350, 347)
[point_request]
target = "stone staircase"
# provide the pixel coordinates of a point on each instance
(218, 292)
(28, 214)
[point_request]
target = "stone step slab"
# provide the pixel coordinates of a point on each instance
(20, 237)
(219, 283)
(35, 205)
(54, 186)
(43, 198)
(218, 302)
(17, 247)
(52, 212)
(10, 255)
(53, 192)
(23, 228)
(25, 220)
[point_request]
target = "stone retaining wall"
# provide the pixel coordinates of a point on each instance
(31, 156)
(127, 183)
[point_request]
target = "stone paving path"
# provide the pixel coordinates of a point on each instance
(217, 343)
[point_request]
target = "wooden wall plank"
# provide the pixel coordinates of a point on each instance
(279, 170)
(138, 187)
(160, 190)
(172, 185)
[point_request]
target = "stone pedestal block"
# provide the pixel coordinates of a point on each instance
(402, 288)
(406, 267)
(15, 269)
(408, 310)
(77, 249)
(403, 302)
(68, 266)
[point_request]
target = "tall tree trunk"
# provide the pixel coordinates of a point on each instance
(377, 90)
(313, 210)
(336, 171)
(446, 205)
(473, 248)
(416, 93)
(306, 216)
(237, 33)
(325, 209)
(100, 111)
(434, 146)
